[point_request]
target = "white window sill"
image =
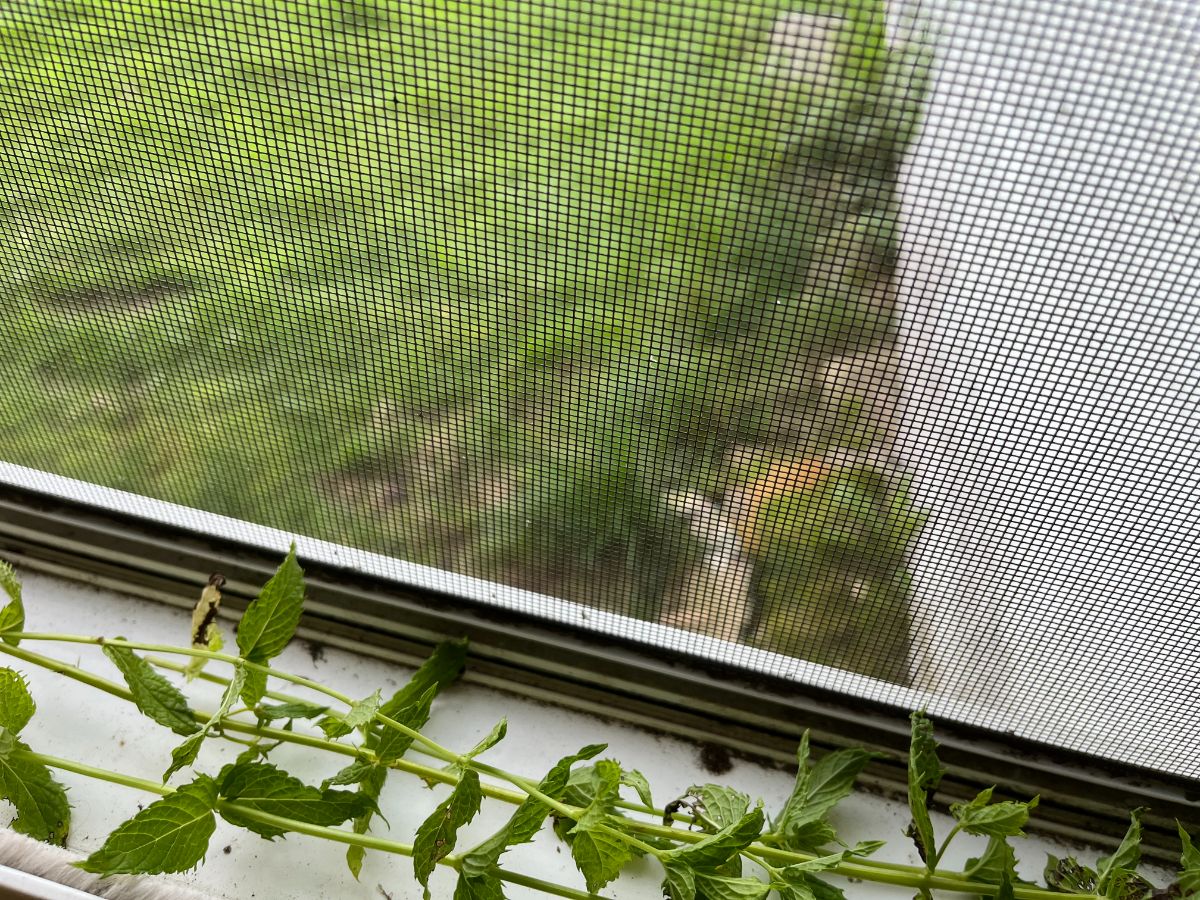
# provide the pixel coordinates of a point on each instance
(81, 724)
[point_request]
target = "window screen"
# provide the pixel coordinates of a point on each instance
(849, 340)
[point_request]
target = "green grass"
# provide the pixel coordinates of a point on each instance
(467, 282)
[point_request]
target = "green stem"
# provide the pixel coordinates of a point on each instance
(867, 870)
(291, 825)
(187, 651)
(570, 812)
(937, 857)
(69, 670)
(265, 731)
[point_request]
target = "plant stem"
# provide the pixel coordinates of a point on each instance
(291, 825)
(76, 673)
(867, 870)
(937, 857)
(186, 651)
(71, 671)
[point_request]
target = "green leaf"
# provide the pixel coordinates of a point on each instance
(266, 788)
(361, 713)
(529, 816)
(599, 855)
(495, 736)
(818, 790)
(606, 780)
(270, 621)
(821, 863)
(799, 891)
(719, 887)
(679, 883)
(438, 834)
(1189, 864)
(998, 866)
(185, 754)
(925, 773)
(295, 710)
(1069, 876)
(12, 616)
(351, 774)
(40, 801)
(156, 697)
(254, 685)
(990, 867)
(1126, 857)
(16, 704)
(484, 886)
(640, 785)
(801, 885)
(370, 787)
(1125, 884)
(169, 835)
(392, 744)
(716, 849)
(981, 816)
(720, 805)
(444, 665)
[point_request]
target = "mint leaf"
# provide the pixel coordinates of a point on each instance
(16, 704)
(370, 787)
(485, 886)
(270, 621)
(392, 744)
(361, 713)
(351, 774)
(679, 883)
(925, 773)
(1068, 876)
(295, 710)
(996, 860)
(438, 834)
(801, 882)
(495, 736)
(636, 780)
(153, 695)
(717, 849)
(169, 835)
(529, 816)
(801, 885)
(1189, 863)
(1126, 857)
(40, 801)
(819, 788)
(600, 856)
(821, 863)
(499, 730)
(718, 887)
(185, 754)
(1124, 884)
(981, 816)
(12, 616)
(606, 779)
(254, 685)
(720, 805)
(444, 665)
(265, 788)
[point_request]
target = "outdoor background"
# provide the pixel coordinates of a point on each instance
(590, 298)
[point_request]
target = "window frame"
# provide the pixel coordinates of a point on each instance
(715, 704)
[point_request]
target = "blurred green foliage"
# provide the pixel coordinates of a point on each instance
(468, 282)
(831, 572)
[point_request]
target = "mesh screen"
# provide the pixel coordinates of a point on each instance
(857, 335)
